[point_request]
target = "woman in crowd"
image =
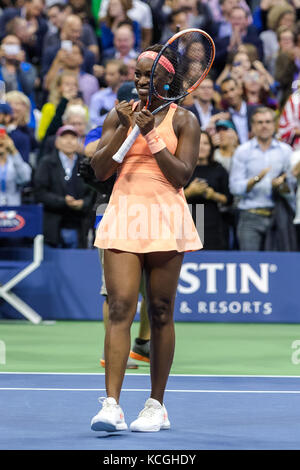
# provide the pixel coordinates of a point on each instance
(14, 172)
(287, 63)
(281, 14)
(209, 186)
(65, 89)
(257, 90)
(75, 115)
(19, 130)
(227, 140)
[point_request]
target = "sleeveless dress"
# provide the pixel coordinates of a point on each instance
(145, 212)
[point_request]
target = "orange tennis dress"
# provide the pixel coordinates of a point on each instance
(145, 212)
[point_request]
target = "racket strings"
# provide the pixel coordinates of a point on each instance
(191, 56)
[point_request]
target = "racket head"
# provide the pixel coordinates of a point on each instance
(190, 54)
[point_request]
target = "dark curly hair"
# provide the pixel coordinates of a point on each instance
(176, 85)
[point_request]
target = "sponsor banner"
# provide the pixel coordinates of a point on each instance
(239, 287)
(213, 287)
(21, 221)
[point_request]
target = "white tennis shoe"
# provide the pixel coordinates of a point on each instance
(110, 418)
(152, 418)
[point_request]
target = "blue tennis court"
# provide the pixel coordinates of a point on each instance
(53, 411)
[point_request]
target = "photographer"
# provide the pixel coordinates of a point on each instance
(14, 172)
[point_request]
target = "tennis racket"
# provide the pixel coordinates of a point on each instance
(190, 54)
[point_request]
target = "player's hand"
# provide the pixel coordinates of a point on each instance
(145, 121)
(125, 112)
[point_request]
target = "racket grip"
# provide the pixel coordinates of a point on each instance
(127, 144)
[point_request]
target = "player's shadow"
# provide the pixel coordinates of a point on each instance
(112, 434)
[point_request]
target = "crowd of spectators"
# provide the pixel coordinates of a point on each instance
(62, 64)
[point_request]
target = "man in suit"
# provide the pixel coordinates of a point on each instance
(67, 200)
(202, 105)
(123, 45)
(240, 111)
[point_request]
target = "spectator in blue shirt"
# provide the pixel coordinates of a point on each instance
(259, 166)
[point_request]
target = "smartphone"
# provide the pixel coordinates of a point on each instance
(11, 49)
(67, 45)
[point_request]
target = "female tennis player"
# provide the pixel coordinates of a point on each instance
(147, 225)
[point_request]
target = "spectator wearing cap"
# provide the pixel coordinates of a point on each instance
(14, 172)
(67, 200)
(226, 140)
(227, 143)
(104, 100)
(5, 114)
(259, 167)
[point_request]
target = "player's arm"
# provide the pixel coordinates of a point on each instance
(177, 168)
(115, 129)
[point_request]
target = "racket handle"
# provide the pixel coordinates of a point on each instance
(127, 144)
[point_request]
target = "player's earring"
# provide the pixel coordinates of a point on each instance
(166, 87)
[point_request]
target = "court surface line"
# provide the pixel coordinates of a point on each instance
(147, 375)
(23, 389)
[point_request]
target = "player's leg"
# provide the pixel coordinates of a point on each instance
(122, 276)
(131, 364)
(162, 274)
(141, 345)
